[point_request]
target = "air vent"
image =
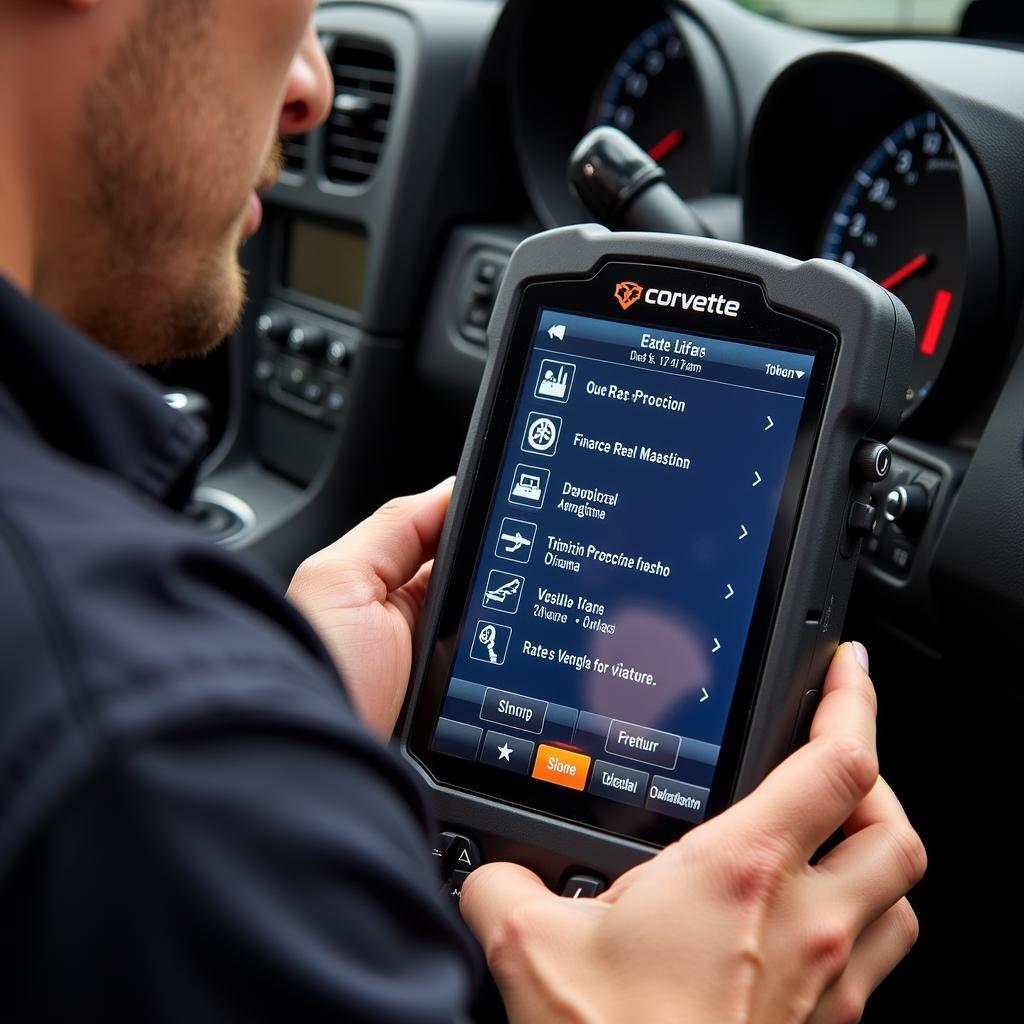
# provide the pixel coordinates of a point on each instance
(295, 152)
(364, 86)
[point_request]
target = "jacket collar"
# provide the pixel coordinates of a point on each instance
(82, 400)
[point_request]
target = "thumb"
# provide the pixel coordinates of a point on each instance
(392, 545)
(491, 893)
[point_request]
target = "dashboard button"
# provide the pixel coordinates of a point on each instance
(899, 556)
(307, 341)
(337, 353)
(273, 326)
(478, 316)
(263, 370)
(561, 767)
(488, 271)
(292, 378)
(907, 506)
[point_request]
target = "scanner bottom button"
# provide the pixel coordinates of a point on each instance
(462, 854)
(453, 887)
(580, 887)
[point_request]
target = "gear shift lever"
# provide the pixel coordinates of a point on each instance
(624, 188)
(192, 402)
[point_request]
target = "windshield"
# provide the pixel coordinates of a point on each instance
(918, 17)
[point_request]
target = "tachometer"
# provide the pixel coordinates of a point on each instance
(653, 94)
(902, 221)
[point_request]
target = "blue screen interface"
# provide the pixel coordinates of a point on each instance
(621, 560)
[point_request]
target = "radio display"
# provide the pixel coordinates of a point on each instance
(326, 263)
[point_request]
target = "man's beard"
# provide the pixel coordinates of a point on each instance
(150, 277)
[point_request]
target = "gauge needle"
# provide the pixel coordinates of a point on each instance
(906, 270)
(661, 149)
(936, 318)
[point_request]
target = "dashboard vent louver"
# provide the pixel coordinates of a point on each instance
(295, 148)
(364, 87)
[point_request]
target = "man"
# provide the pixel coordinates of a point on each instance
(198, 820)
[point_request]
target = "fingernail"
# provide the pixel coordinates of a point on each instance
(862, 654)
(447, 482)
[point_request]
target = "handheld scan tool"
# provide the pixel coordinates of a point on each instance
(651, 544)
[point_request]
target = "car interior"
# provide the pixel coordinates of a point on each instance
(848, 131)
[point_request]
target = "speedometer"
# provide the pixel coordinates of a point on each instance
(902, 221)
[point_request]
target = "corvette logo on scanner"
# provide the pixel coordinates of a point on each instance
(629, 292)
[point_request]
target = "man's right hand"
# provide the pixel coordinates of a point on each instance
(733, 922)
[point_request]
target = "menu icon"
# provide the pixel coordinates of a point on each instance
(529, 485)
(554, 382)
(516, 538)
(541, 434)
(504, 589)
(490, 642)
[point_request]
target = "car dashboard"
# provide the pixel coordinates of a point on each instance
(355, 369)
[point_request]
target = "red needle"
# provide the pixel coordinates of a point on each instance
(936, 318)
(906, 270)
(661, 149)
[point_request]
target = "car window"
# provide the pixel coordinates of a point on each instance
(932, 17)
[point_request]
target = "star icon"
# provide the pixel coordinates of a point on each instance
(505, 752)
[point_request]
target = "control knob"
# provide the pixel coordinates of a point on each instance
(907, 506)
(872, 461)
(273, 326)
(337, 353)
(307, 341)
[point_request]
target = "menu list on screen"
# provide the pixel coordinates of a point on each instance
(610, 605)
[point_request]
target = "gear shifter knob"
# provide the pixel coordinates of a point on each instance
(192, 402)
(624, 188)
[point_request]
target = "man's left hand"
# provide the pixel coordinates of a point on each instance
(363, 595)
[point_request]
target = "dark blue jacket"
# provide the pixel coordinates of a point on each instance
(194, 826)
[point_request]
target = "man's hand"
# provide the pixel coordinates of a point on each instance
(364, 593)
(733, 922)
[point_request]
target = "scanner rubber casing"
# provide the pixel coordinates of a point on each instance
(865, 401)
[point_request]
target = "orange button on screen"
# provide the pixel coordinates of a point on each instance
(562, 767)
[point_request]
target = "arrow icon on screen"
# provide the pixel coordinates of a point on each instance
(757, 478)
(744, 533)
(706, 695)
(799, 373)
(771, 423)
(729, 591)
(717, 646)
